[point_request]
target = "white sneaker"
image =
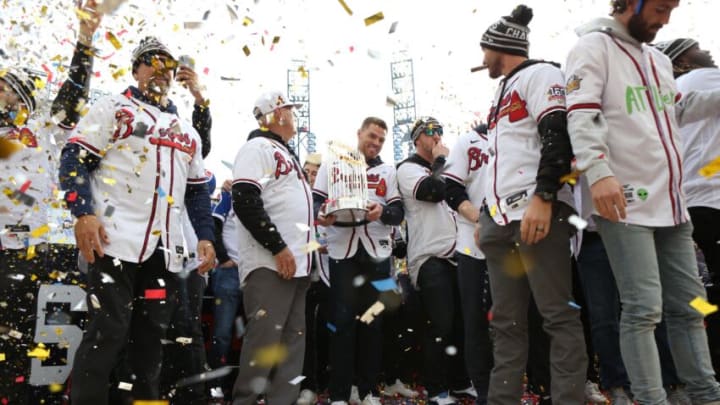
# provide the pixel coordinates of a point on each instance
(618, 396)
(399, 389)
(469, 391)
(354, 396)
(678, 396)
(217, 392)
(593, 394)
(371, 400)
(307, 397)
(443, 399)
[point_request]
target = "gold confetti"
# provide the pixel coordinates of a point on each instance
(151, 402)
(2, 356)
(170, 200)
(703, 306)
(30, 252)
(467, 251)
(40, 352)
(303, 72)
(571, 178)
(247, 21)
(271, 355)
(374, 18)
(55, 388)
(109, 181)
(118, 73)
(156, 232)
(38, 232)
(21, 117)
(246, 50)
(345, 6)
(176, 27)
(113, 40)
(493, 210)
(711, 169)
(8, 147)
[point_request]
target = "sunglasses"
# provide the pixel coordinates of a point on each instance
(160, 62)
(432, 130)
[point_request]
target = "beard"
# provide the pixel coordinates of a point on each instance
(638, 29)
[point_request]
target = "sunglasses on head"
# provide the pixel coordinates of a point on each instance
(160, 62)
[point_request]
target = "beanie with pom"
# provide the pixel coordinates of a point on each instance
(510, 34)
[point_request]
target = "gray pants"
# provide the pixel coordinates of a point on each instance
(275, 309)
(516, 270)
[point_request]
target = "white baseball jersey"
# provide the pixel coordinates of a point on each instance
(467, 165)
(148, 159)
(287, 199)
(621, 99)
(375, 236)
(521, 102)
(431, 228)
(700, 143)
(29, 185)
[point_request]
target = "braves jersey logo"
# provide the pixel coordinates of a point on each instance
(173, 137)
(25, 136)
(123, 127)
(512, 106)
(377, 184)
(282, 167)
(476, 158)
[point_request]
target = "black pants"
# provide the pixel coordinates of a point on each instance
(352, 338)
(120, 317)
(444, 367)
(317, 337)
(706, 233)
(476, 303)
(402, 331)
(182, 360)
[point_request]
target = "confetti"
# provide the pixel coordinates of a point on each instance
(15, 334)
(578, 222)
(125, 386)
(573, 304)
(374, 18)
(109, 210)
(332, 327)
(161, 282)
(113, 40)
(246, 50)
(247, 21)
(116, 262)
(302, 227)
(106, 278)
(297, 380)
(170, 199)
(109, 181)
(210, 375)
(155, 294)
(40, 231)
(467, 251)
(2, 356)
(385, 284)
(25, 186)
(345, 6)
(451, 350)
(374, 310)
(8, 147)
(311, 247)
(94, 301)
(393, 27)
(191, 25)
(493, 210)
(711, 169)
(71, 197)
(239, 327)
(55, 388)
(40, 352)
(160, 192)
(702, 306)
(183, 340)
(571, 178)
(271, 355)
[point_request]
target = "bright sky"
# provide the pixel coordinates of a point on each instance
(348, 62)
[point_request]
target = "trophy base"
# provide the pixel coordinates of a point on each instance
(352, 215)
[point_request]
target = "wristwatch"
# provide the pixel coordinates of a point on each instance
(546, 195)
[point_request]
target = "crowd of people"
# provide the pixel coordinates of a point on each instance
(550, 256)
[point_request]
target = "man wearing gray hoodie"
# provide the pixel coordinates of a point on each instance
(623, 119)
